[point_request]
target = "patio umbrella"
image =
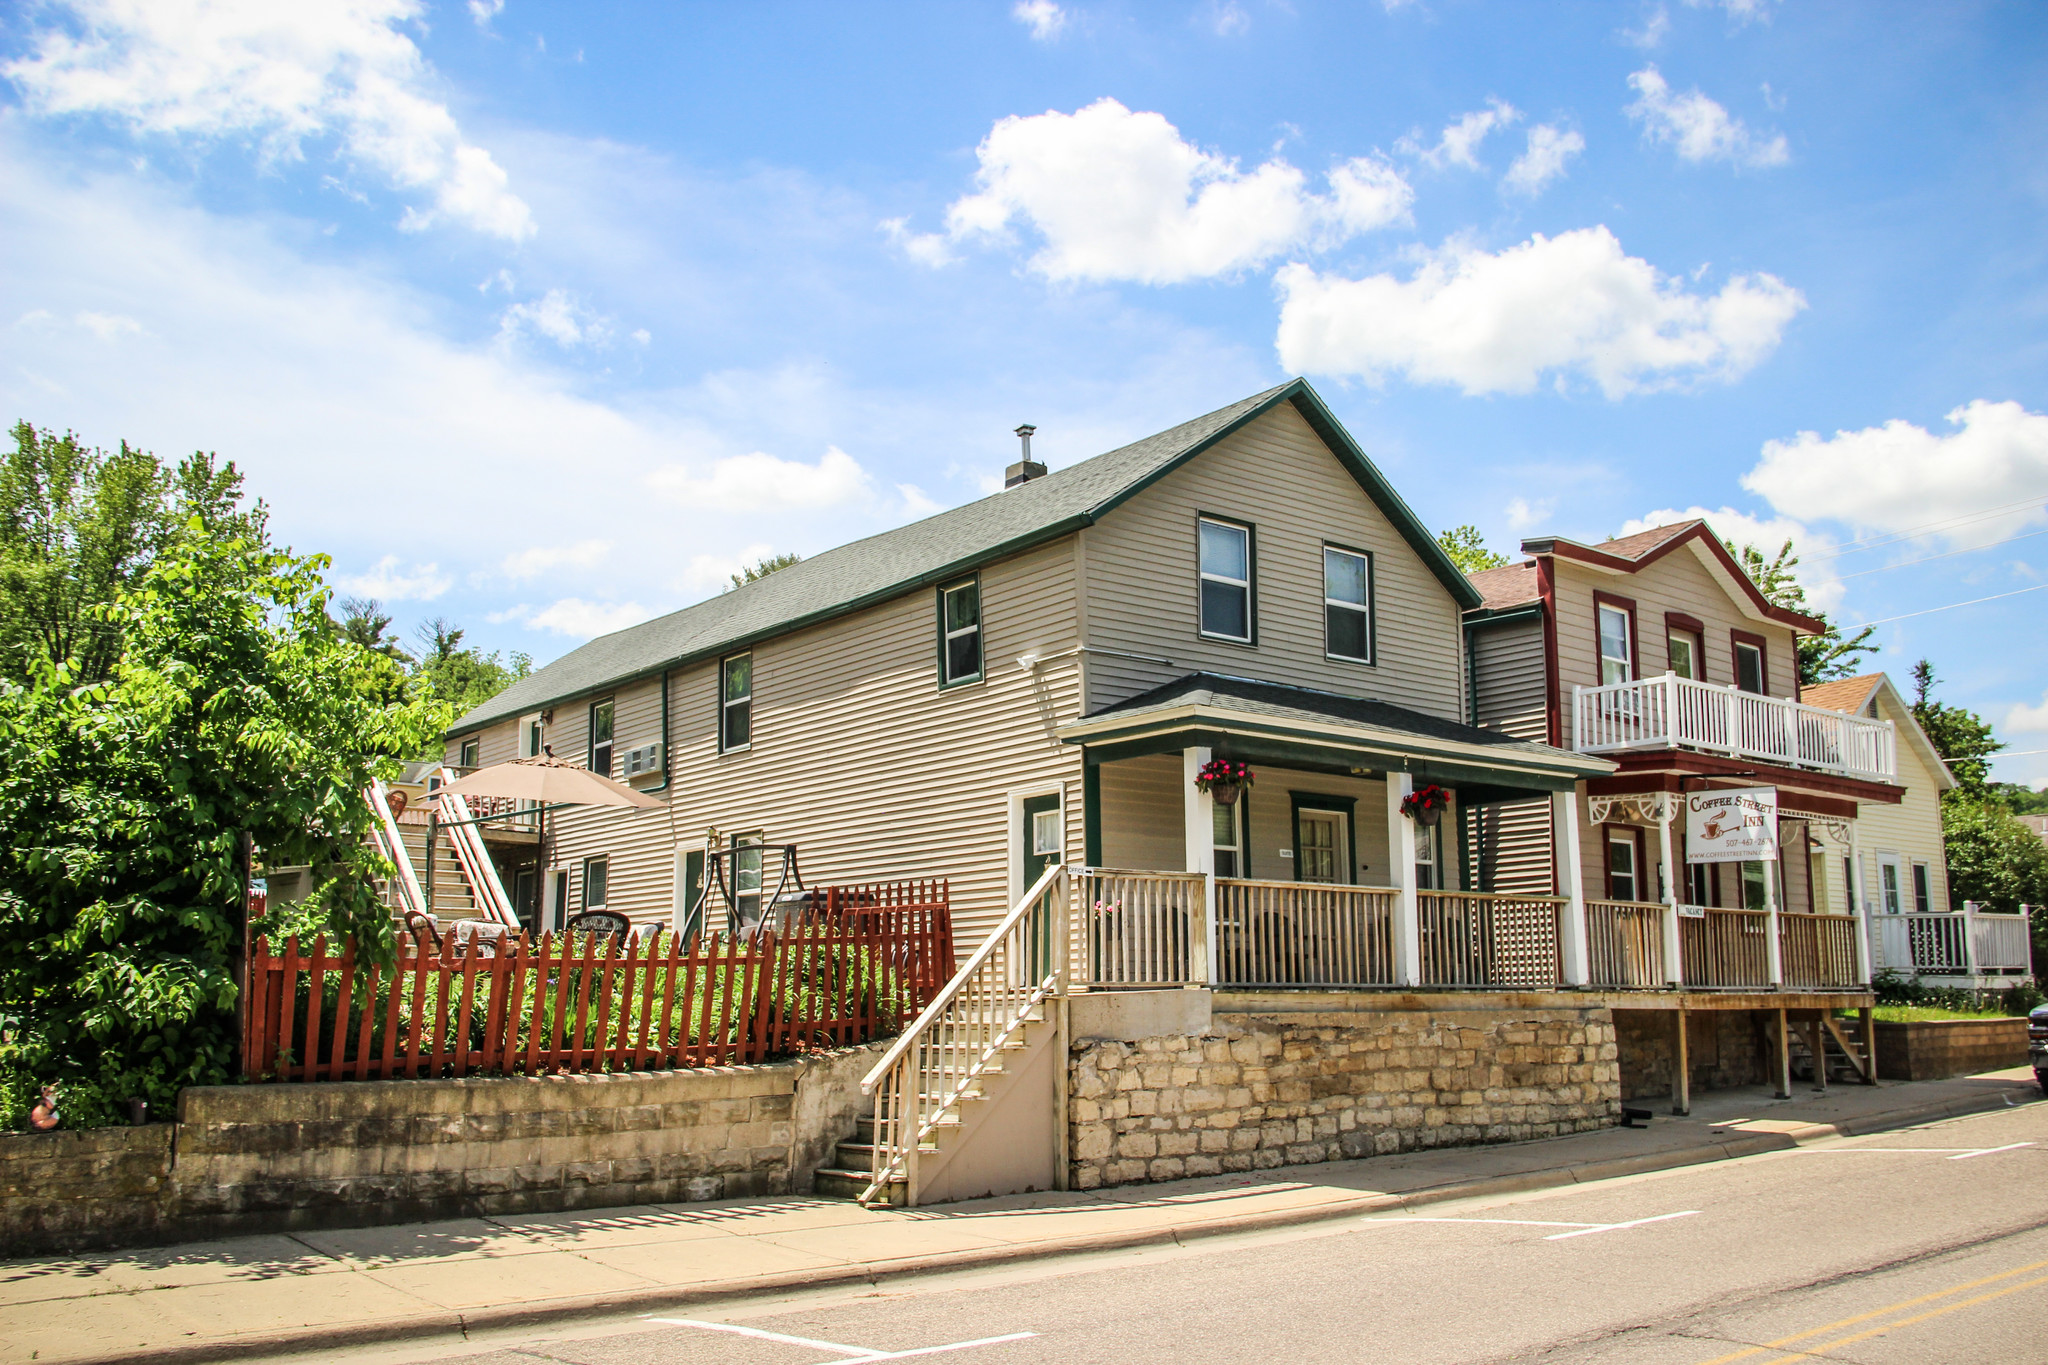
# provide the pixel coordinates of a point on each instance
(549, 781)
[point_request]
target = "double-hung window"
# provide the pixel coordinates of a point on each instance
(1226, 575)
(1749, 667)
(1923, 891)
(960, 632)
(601, 737)
(596, 882)
(1685, 654)
(1617, 654)
(467, 754)
(736, 703)
(1347, 605)
(1622, 877)
(1225, 828)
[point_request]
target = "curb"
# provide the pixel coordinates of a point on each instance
(460, 1325)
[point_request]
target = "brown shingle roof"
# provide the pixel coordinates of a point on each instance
(1843, 694)
(1642, 542)
(1511, 585)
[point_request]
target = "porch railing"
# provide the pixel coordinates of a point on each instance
(1140, 928)
(1471, 938)
(1302, 934)
(1725, 949)
(1818, 951)
(1625, 944)
(1957, 943)
(1671, 712)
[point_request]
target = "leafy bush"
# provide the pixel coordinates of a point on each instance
(2017, 999)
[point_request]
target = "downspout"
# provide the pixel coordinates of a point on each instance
(662, 785)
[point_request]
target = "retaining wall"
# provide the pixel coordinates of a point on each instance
(1934, 1048)
(257, 1158)
(1258, 1090)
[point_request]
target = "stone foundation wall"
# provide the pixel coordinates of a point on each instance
(255, 1158)
(1725, 1048)
(1256, 1092)
(1933, 1048)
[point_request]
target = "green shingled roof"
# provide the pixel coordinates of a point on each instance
(884, 566)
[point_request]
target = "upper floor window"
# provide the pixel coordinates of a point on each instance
(467, 754)
(530, 738)
(1226, 570)
(601, 737)
(736, 702)
(1347, 605)
(1617, 651)
(960, 632)
(1685, 654)
(1749, 666)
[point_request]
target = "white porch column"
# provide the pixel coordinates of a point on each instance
(1408, 912)
(1674, 958)
(1866, 930)
(1864, 953)
(1564, 822)
(1773, 945)
(1200, 810)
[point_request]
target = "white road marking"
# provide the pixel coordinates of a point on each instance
(853, 1355)
(1952, 1153)
(1615, 1227)
(1987, 1151)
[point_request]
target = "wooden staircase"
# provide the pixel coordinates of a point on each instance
(465, 881)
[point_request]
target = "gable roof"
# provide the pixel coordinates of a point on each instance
(884, 566)
(1632, 554)
(1852, 695)
(1873, 695)
(1511, 585)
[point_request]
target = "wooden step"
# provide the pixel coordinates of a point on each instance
(833, 1182)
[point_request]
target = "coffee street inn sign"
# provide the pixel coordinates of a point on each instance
(1739, 826)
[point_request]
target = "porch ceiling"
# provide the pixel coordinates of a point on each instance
(1300, 727)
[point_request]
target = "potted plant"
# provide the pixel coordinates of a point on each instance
(1224, 778)
(1425, 805)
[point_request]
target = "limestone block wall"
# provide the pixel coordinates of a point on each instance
(1933, 1048)
(253, 1158)
(1725, 1048)
(1255, 1092)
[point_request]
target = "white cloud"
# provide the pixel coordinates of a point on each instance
(529, 564)
(483, 11)
(1550, 148)
(1699, 128)
(2028, 719)
(1459, 145)
(389, 582)
(714, 573)
(760, 482)
(1119, 195)
(931, 249)
(581, 620)
(558, 316)
(1499, 322)
(1901, 477)
(1824, 591)
(1044, 18)
(1656, 27)
(1741, 11)
(280, 72)
(107, 326)
(1225, 18)
(1524, 515)
(916, 505)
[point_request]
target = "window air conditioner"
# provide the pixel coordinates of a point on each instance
(644, 761)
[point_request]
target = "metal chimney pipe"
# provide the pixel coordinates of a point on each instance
(1027, 468)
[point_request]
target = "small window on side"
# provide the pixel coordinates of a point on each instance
(1223, 828)
(1617, 659)
(597, 875)
(1749, 667)
(601, 737)
(960, 632)
(1685, 655)
(1047, 838)
(1621, 867)
(1347, 605)
(1923, 891)
(1755, 892)
(736, 703)
(467, 755)
(1226, 581)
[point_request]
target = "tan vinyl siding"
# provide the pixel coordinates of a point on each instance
(858, 756)
(1678, 582)
(1276, 474)
(1143, 813)
(1513, 850)
(1507, 678)
(1911, 829)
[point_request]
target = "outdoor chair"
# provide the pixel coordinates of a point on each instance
(608, 923)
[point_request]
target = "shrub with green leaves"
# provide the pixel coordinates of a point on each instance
(235, 707)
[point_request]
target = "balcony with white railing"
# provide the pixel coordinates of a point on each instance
(1679, 713)
(1968, 942)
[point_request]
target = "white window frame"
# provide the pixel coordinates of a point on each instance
(1363, 609)
(1429, 857)
(1627, 661)
(1627, 840)
(1234, 813)
(603, 860)
(948, 635)
(1691, 642)
(1203, 576)
(1742, 646)
(726, 704)
(1922, 875)
(611, 741)
(468, 751)
(1892, 892)
(532, 735)
(1013, 810)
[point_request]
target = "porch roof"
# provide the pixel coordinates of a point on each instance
(1301, 727)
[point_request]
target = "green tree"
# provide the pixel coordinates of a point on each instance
(233, 708)
(1467, 549)
(464, 678)
(79, 525)
(365, 622)
(1827, 655)
(1993, 859)
(762, 568)
(1962, 737)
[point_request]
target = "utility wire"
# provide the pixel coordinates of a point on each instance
(1946, 554)
(1878, 542)
(1887, 620)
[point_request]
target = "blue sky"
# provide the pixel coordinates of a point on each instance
(544, 318)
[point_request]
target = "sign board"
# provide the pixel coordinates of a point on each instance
(1739, 826)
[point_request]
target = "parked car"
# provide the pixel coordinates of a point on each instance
(2037, 1044)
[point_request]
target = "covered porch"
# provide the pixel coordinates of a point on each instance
(1315, 877)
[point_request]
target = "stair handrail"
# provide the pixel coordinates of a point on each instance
(392, 845)
(472, 857)
(903, 1105)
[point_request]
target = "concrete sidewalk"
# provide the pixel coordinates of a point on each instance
(255, 1295)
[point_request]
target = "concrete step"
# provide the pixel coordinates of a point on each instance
(832, 1182)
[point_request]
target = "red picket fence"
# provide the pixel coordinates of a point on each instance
(859, 964)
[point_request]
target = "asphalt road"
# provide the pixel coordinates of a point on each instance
(1924, 1245)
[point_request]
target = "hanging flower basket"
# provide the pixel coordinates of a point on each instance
(1425, 805)
(1224, 778)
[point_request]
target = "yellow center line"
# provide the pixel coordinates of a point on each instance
(1877, 1313)
(1881, 1329)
